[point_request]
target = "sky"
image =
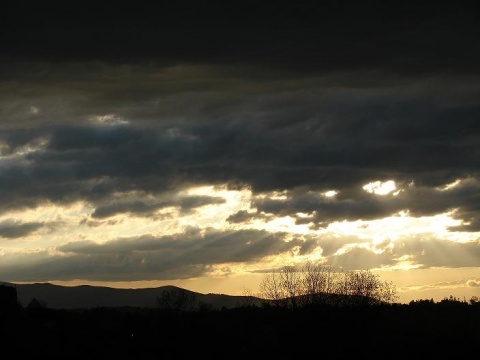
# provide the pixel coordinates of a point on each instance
(204, 145)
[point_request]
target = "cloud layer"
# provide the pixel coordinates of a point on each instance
(286, 113)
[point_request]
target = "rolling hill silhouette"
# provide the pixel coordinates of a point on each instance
(86, 296)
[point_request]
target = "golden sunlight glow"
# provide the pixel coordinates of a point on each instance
(215, 215)
(349, 247)
(302, 215)
(402, 224)
(73, 222)
(281, 224)
(330, 193)
(449, 186)
(70, 223)
(273, 195)
(380, 188)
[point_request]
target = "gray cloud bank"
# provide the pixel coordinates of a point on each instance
(194, 253)
(303, 137)
(179, 256)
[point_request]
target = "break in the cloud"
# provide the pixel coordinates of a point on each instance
(341, 133)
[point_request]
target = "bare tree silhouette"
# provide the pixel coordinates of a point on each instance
(317, 283)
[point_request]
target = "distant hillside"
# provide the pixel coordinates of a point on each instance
(85, 296)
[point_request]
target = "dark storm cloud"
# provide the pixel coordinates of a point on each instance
(300, 36)
(11, 229)
(321, 138)
(213, 246)
(183, 255)
(191, 202)
(136, 207)
(140, 208)
(242, 216)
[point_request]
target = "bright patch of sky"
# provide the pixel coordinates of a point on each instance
(330, 193)
(380, 187)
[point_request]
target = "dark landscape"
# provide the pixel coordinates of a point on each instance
(181, 325)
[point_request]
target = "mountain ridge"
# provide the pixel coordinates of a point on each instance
(89, 296)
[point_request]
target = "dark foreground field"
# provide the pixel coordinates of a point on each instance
(422, 331)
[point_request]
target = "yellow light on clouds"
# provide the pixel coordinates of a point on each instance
(449, 186)
(401, 224)
(330, 193)
(380, 188)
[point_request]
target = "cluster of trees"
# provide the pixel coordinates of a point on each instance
(294, 287)
(180, 300)
(317, 283)
(447, 301)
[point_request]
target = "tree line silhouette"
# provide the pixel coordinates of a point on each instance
(309, 311)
